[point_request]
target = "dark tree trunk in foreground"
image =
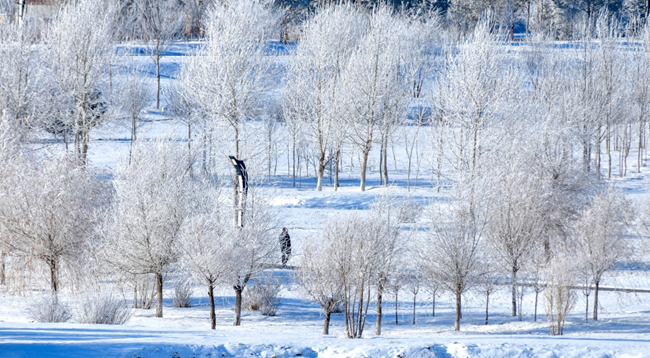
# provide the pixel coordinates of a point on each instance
(159, 288)
(213, 317)
(238, 301)
(326, 325)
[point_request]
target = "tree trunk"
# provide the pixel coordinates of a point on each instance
(159, 288)
(408, 170)
(586, 155)
(157, 78)
(596, 286)
(521, 304)
(439, 157)
(293, 161)
(457, 319)
(53, 276)
(238, 302)
(587, 306)
(3, 274)
(414, 302)
(514, 292)
(65, 138)
(386, 161)
(213, 316)
(433, 306)
(609, 153)
(76, 142)
(84, 145)
(326, 325)
(381, 163)
(598, 156)
(336, 170)
(527, 17)
(236, 202)
(640, 153)
(536, 296)
(487, 306)
(396, 305)
(133, 137)
(380, 292)
(364, 166)
(189, 144)
(321, 171)
(357, 328)
(84, 129)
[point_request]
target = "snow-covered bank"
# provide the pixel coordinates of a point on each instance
(69, 340)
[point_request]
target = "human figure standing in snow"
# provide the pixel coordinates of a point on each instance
(285, 246)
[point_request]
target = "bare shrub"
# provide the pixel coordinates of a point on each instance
(182, 297)
(409, 211)
(559, 294)
(263, 296)
(48, 309)
(102, 308)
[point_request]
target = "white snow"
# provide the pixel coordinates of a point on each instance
(623, 329)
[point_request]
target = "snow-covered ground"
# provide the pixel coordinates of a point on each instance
(622, 331)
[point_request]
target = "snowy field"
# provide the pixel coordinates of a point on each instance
(622, 331)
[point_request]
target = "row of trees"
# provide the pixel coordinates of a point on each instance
(356, 77)
(158, 217)
(153, 219)
(504, 237)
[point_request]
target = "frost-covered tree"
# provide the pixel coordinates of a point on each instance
(639, 90)
(153, 194)
(195, 14)
(610, 87)
(160, 22)
(253, 247)
(218, 253)
(373, 84)
(601, 241)
(473, 90)
(560, 295)
(390, 243)
(7, 7)
(313, 90)
(636, 9)
(206, 241)
(20, 74)
(80, 52)
(133, 98)
(358, 248)
(48, 211)
(317, 280)
(230, 74)
(420, 35)
(515, 227)
(453, 251)
(180, 104)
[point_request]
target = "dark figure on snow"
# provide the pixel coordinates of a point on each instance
(285, 245)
